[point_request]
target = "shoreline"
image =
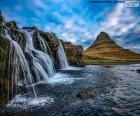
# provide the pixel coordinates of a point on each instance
(116, 63)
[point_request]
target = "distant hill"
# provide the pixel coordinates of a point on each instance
(105, 50)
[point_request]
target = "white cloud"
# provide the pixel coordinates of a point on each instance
(40, 4)
(68, 24)
(119, 22)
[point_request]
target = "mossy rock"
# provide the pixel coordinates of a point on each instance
(4, 82)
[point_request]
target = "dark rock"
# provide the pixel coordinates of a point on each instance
(86, 93)
(30, 28)
(1, 18)
(4, 71)
(107, 66)
(11, 24)
(138, 71)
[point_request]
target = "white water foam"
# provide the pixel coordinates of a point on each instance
(59, 79)
(72, 68)
(23, 102)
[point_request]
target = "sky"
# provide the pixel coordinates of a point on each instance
(78, 21)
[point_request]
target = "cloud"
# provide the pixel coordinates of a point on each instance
(77, 21)
(68, 24)
(119, 23)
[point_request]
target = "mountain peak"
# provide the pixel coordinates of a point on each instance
(102, 39)
(105, 50)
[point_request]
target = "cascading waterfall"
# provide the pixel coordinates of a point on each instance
(62, 57)
(23, 63)
(42, 62)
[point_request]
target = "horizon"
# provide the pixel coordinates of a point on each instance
(78, 21)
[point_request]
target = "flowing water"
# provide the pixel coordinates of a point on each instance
(24, 65)
(62, 57)
(117, 93)
(42, 62)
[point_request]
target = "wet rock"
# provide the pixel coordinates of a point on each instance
(4, 71)
(86, 93)
(107, 66)
(11, 25)
(138, 71)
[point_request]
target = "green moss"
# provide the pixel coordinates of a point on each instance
(72, 60)
(107, 60)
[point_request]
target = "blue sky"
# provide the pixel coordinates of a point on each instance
(78, 21)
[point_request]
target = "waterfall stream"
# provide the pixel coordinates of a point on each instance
(40, 63)
(23, 63)
(62, 57)
(39, 58)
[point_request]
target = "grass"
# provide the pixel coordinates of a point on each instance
(109, 55)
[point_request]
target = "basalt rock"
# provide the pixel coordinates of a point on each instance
(86, 93)
(5, 83)
(138, 71)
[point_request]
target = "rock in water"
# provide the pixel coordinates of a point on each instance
(138, 71)
(86, 93)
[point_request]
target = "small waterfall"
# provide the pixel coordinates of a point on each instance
(62, 57)
(42, 43)
(23, 63)
(42, 62)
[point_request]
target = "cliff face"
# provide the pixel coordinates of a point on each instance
(4, 72)
(105, 50)
(74, 53)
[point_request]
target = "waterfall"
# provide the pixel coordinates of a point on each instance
(42, 62)
(23, 63)
(42, 43)
(62, 57)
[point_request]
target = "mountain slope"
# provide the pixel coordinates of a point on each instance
(105, 50)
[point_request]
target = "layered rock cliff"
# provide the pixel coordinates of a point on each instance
(105, 50)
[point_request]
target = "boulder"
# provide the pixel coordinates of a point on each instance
(138, 71)
(86, 93)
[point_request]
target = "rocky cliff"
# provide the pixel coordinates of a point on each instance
(105, 50)
(74, 53)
